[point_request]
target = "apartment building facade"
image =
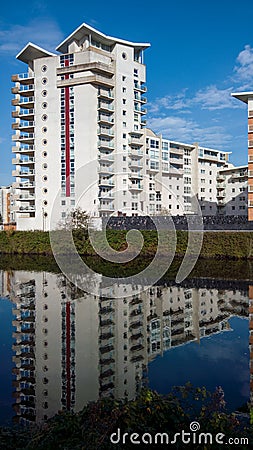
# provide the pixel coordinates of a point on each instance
(81, 139)
(247, 97)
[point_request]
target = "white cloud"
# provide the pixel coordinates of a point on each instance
(213, 98)
(43, 32)
(244, 65)
(183, 130)
(178, 102)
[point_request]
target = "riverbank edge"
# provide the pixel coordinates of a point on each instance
(220, 245)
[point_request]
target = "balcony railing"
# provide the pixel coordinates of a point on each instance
(105, 144)
(140, 87)
(135, 187)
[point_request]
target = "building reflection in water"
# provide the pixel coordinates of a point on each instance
(70, 348)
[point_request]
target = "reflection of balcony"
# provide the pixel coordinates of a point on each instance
(220, 177)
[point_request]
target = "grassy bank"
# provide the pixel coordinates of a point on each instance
(229, 245)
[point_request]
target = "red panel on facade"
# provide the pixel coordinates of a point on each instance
(67, 140)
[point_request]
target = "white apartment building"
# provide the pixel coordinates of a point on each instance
(82, 104)
(81, 138)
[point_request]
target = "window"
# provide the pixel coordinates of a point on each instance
(136, 72)
(44, 81)
(124, 135)
(123, 78)
(44, 68)
(124, 55)
(124, 101)
(44, 105)
(44, 117)
(44, 93)
(124, 112)
(44, 129)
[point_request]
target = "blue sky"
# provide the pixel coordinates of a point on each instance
(201, 51)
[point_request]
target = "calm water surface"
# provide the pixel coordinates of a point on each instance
(61, 348)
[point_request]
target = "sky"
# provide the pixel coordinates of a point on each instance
(200, 52)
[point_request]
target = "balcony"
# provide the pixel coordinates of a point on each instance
(220, 177)
(135, 164)
(21, 209)
(220, 186)
(242, 174)
(135, 141)
(24, 137)
(102, 118)
(105, 94)
(24, 197)
(105, 106)
(135, 187)
(23, 185)
(109, 132)
(102, 143)
(140, 110)
(221, 194)
(23, 173)
(105, 170)
(106, 157)
(174, 160)
(24, 78)
(136, 153)
(28, 149)
(139, 98)
(107, 182)
(140, 87)
(24, 89)
(26, 102)
(106, 195)
(106, 207)
(135, 175)
(26, 161)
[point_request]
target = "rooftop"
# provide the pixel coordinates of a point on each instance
(84, 30)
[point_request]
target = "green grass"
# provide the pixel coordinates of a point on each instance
(222, 245)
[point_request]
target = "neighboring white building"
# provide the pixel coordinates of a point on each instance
(81, 139)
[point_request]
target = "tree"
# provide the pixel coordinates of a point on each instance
(77, 219)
